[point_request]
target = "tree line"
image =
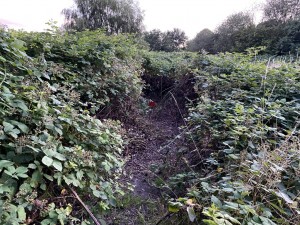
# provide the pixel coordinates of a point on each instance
(279, 30)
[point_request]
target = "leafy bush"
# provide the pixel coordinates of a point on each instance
(247, 119)
(173, 64)
(250, 101)
(103, 70)
(49, 140)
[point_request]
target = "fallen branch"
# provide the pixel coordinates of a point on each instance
(85, 207)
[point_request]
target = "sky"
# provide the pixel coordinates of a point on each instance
(190, 16)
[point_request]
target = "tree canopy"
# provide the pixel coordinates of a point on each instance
(235, 32)
(279, 31)
(282, 10)
(204, 40)
(115, 16)
(168, 41)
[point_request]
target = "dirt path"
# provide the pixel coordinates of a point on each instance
(151, 156)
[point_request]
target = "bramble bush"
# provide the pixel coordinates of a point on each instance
(52, 84)
(104, 70)
(245, 128)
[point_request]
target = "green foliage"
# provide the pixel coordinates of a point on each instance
(169, 41)
(281, 10)
(115, 16)
(247, 117)
(51, 86)
(204, 40)
(278, 31)
(235, 33)
(254, 101)
(103, 70)
(171, 65)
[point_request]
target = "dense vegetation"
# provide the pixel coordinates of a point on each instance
(52, 86)
(69, 101)
(245, 136)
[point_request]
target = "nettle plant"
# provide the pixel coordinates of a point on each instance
(49, 145)
(247, 116)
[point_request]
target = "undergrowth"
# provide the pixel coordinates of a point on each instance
(53, 86)
(244, 132)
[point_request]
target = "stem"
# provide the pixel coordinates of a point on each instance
(3, 78)
(85, 207)
(168, 214)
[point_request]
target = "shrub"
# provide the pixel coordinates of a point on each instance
(50, 141)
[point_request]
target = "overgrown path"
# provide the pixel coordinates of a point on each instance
(152, 156)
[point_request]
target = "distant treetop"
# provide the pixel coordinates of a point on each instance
(282, 10)
(115, 16)
(168, 41)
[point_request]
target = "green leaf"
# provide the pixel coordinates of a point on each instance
(14, 133)
(2, 59)
(21, 104)
(216, 201)
(48, 177)
(191, 213)
(174, 207)
(47, 161)
(57, 165)
(7, 127)
(59, 156)
(32, 166)
(18, 44)
(210, 222)
(21, 169)
(21, 213)
(20, 125)
(284, 196)
(59, 131)
(233, 220)
(5, 163)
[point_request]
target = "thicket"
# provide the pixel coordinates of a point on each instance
(244, 142)
(54, 86)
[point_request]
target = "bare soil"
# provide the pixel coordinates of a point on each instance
(152, 155)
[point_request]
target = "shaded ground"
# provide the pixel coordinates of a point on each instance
(152, 155)
(155, 151)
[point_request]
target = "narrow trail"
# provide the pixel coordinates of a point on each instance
(155, 151)
(152, 155)
(159, 149)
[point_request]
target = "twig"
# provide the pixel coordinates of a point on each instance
(185, 123)
(85, 207)
(168, 214)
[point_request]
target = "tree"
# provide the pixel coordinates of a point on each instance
(204, 40)
(155, 39)
(281, 10)
(115, 16)
(174, 40)
(235, 33)
(169, 41)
